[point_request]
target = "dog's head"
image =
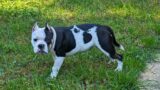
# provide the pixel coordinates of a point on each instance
(41, 38)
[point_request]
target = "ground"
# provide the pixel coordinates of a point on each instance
(136, 24)
(150, 78)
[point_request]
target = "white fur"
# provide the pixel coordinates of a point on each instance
(80, 45)
(94, 34)
(122, 48)
(57, 65)
(39, 34)
(119, 66)
(54, 39)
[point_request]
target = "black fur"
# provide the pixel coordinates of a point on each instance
(119, 57)
(87, 37)
(76, 31)
(65, 41)
(112, 35)
(49, 35)
(85, 27)
(107, 41)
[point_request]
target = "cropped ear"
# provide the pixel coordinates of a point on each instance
(47, 27)
(35, 27)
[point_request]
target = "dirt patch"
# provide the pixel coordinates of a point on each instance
(150, 79)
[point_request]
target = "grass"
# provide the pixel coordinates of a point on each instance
(136, 24)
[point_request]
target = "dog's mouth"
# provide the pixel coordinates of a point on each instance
(41, 52)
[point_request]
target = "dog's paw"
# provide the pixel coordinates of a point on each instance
(111, 61)
(53, 75)
(49, 78)
(118, 69)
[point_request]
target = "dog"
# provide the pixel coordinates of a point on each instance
(65, 41)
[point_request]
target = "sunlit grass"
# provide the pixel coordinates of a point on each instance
(135, 23)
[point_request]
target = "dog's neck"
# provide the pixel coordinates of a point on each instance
(53, 39)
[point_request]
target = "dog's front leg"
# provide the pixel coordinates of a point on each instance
(57, 65)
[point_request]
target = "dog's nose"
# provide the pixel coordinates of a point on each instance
(41, 46)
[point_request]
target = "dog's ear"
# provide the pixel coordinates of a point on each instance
(47, 28)
(35, 27)
(49, 34)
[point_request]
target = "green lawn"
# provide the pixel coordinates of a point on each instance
(136, 24)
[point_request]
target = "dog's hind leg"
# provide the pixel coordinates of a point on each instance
(107, 47)
(119, 61)
(57, 65)
(111, 60)
(111, 53)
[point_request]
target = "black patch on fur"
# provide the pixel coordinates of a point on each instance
(105, 40)
(87, 37)
(49, 36)
(65, 41)
(76, 30)
(85, 27)
(119, 57)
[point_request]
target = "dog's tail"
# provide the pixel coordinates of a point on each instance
(115, 42)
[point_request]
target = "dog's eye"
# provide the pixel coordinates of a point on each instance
(35, 40)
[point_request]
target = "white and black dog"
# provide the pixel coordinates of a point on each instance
(64, 41)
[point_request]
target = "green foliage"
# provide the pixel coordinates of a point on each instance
(136, 24)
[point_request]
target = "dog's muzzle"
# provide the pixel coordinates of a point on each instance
(41, 52)
(41, 49)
